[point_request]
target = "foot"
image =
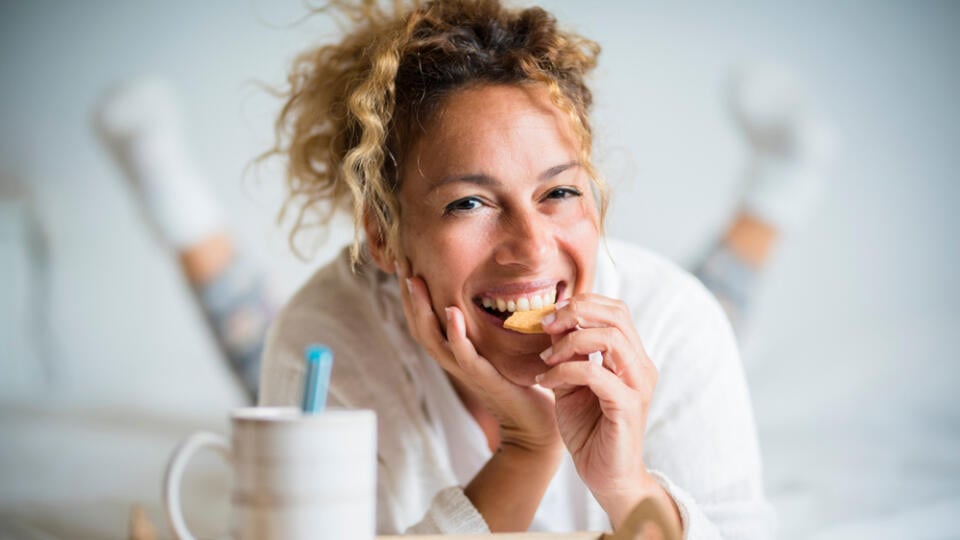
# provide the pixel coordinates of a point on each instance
(141, 124)
(790, 146)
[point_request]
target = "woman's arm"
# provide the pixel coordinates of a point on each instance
(602, 407)
(697, 434)
(508, 489)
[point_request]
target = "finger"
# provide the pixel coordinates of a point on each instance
(611, 392)
(426, 326)
(614, 348)
(592, 311)
(423, 317)
(464, 353)
(407, 303)
(586, 311)
(405, 299)
(597, 298)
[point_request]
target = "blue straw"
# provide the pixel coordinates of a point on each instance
(319, 363)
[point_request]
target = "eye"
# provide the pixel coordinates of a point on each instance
(563, 193)
(465, 204)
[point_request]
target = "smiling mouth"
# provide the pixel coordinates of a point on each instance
(502, 307)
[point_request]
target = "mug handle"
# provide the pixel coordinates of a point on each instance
(174, 473)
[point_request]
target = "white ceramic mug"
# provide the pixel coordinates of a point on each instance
(295, 475)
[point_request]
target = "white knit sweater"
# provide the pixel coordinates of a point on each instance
(700, 443)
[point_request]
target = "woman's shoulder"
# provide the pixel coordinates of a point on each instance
(635, 270)
(355, 313)
(350, 309)
(667, 302)
(329, 284)
(337, 296)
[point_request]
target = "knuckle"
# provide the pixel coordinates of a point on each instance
(611, 337)
(650, 380)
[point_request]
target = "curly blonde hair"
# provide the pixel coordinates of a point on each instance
(355, 108)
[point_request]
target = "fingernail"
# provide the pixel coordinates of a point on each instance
(409, 285)
(548, 319)
(538, 379)
(546, 354)
(396, 267)
(561, 304)
(447, 311)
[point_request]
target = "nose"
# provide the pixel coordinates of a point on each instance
(526, 240)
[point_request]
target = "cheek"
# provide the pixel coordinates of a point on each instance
(579, 222)
(445, 256)
(579, 239)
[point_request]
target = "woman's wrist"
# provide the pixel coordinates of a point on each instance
(508, 489)
(542, 453)
(542, 445)
(618, 504)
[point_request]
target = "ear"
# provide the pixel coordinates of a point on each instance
(377, 244)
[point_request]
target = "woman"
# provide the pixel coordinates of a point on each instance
(458, 133)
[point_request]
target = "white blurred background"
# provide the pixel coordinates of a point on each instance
(852, 353)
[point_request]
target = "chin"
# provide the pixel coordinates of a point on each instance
(515, 356)
(521, 371)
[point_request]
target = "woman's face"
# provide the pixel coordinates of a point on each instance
(495, 208)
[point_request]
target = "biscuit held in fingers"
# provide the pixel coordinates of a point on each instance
(527, 322)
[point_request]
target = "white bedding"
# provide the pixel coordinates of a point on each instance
(860, 432)
(68, 473)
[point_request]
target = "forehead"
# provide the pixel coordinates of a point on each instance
(497, 130)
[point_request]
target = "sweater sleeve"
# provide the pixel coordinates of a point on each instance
(701, 443)
(451, 512)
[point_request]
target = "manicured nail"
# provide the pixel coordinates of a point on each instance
(409, 285)
(546, 354)
(447, 311)
(538, 379)
(561, 304)
(548, 319)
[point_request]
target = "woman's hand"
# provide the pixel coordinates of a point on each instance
(602, 409)
(525, 414)
(509, 488)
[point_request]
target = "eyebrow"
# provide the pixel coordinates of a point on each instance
(481, 179)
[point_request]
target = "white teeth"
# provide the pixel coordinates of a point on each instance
(524, 303)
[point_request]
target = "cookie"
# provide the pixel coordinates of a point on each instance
(527, 322)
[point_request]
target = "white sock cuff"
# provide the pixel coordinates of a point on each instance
(184, 213)
(783, 194)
